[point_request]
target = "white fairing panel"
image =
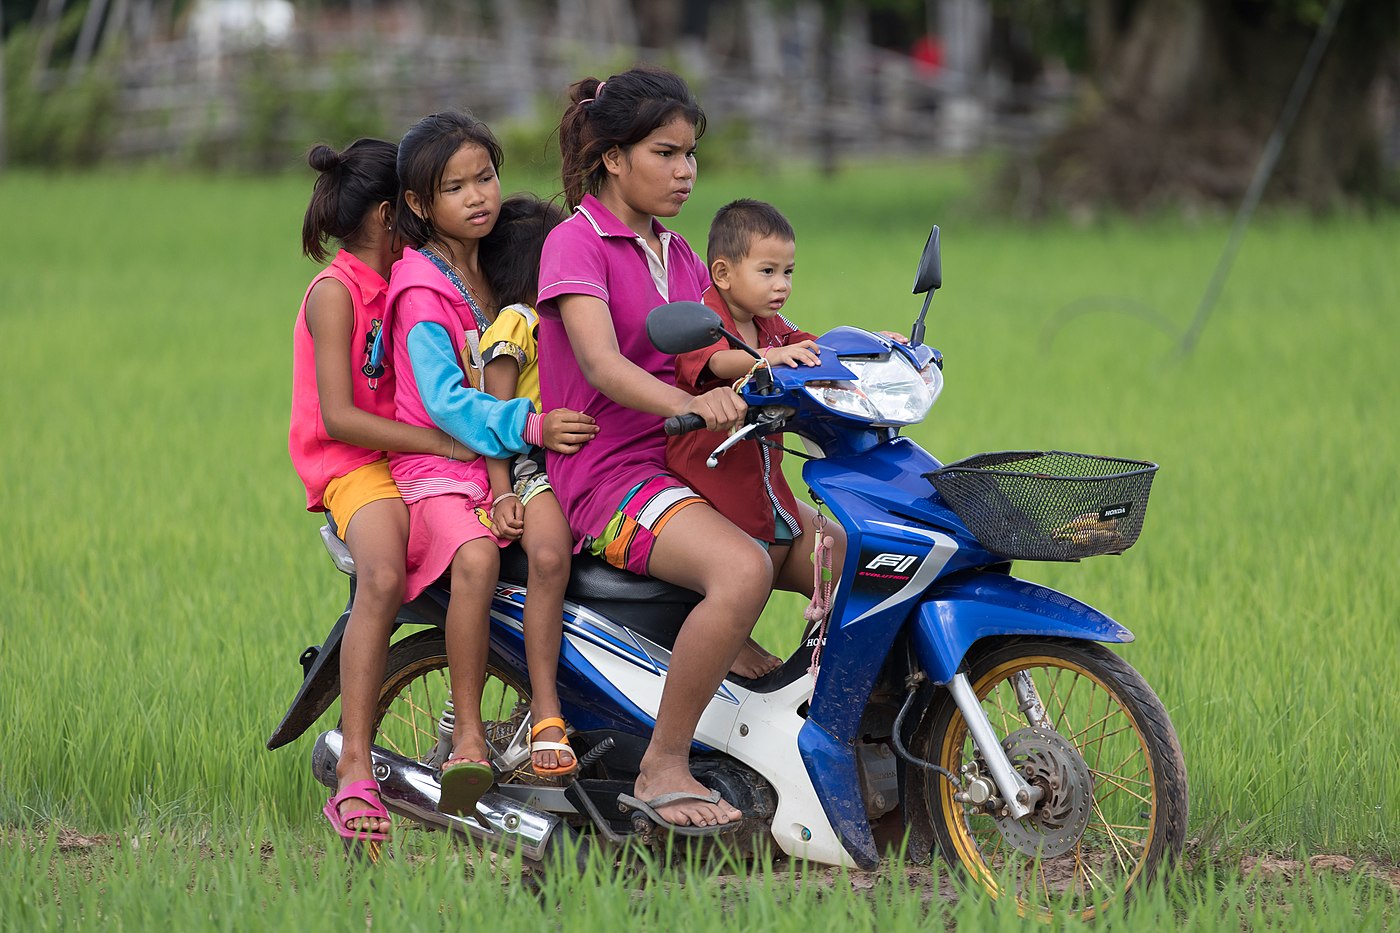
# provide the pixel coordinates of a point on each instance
(758, 729)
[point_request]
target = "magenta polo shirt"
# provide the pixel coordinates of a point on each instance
(593, 253)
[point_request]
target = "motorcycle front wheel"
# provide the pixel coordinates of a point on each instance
(1114, 796)
(409, 717)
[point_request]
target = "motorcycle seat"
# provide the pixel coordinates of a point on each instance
(593, 580)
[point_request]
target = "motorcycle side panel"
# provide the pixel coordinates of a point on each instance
(889, 567)
(831, 765)
(609, 677)
(766, 737)
(979, 605)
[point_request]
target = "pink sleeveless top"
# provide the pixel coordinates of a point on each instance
(317, 457)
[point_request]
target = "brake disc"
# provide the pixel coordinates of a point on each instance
(1048, 761)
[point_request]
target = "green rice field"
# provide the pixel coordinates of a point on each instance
(159, 577)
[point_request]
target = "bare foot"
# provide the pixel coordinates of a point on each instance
(469, 747)
(549, 759)
(754, 661)
(360, 824)
(685, 812)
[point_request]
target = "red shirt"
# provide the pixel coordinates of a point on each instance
(737, 487)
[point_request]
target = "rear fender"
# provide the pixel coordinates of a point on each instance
(321, 683)
(980, 605)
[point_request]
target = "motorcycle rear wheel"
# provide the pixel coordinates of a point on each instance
(1137, 821)
(415, 693)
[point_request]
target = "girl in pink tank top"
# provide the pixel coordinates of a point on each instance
(341, 428)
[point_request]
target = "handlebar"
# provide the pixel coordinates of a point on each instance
(683, 424)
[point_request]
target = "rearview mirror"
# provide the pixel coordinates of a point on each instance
(682, 326)
(930, 275)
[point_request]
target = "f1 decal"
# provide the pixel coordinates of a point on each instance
(896, 562)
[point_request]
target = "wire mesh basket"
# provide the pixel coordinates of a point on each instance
(1048, 504)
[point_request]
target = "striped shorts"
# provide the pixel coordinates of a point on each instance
(627, 540)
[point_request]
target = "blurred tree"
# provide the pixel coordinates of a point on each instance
(3, 148)
(1185, 93)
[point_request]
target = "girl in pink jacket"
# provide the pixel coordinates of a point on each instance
(440, 303)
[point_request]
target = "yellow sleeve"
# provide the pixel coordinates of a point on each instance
(511, 334)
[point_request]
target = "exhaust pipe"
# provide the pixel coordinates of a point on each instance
(411, 790)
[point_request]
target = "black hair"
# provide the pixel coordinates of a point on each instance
(621, 111)
(739, 223)
(510, 253)
(351, 184)
(424, 152)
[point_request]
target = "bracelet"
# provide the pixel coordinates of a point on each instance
(452, 450)
(503, 496)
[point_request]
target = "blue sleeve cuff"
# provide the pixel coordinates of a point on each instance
(491, 427)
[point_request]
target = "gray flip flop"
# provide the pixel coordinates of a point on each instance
(648, 807)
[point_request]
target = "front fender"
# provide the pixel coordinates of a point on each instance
(978, 605)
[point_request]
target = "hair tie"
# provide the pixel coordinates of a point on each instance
(597, 93)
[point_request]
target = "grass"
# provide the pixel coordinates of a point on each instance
(55, 881)
(160, 579)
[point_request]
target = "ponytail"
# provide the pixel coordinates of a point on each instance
(350, 185)
(618, 112)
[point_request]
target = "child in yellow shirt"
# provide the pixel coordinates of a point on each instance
(525, 506)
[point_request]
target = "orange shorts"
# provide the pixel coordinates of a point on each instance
(346, 495)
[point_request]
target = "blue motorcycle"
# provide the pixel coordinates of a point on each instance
(953, 707)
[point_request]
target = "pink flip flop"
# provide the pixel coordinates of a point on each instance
(367, 791)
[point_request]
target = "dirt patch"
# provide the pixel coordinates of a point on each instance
(1274, 868)
(70, 840)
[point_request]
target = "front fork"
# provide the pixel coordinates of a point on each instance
(1018, 797)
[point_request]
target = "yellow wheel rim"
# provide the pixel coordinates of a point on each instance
(1109, 857)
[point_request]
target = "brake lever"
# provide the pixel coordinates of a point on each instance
(730, 441)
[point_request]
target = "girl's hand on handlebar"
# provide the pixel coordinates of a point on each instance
(802, 353)
(566, 430)
(897, 338)
(721, 408)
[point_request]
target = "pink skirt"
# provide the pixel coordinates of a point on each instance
(437, 527)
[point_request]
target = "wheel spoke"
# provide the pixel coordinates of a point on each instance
(996, 695)
(1081, 869)
(1119, 850)
(1110, 779)
(1113, 711)
(1054, 690)
(1127, 778)
(1089, 870)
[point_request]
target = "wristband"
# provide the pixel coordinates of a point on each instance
(503, 496)
(533, 432)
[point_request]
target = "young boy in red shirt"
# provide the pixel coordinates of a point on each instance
(751, 253)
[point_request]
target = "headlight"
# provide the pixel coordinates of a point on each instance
(886, 392)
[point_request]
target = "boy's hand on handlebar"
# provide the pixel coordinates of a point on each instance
(897, 338)
(508, 518)
(566, 430)
(721, 408)
(802, 353)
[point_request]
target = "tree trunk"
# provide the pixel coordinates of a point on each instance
(1188, 92)
(3, 149)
